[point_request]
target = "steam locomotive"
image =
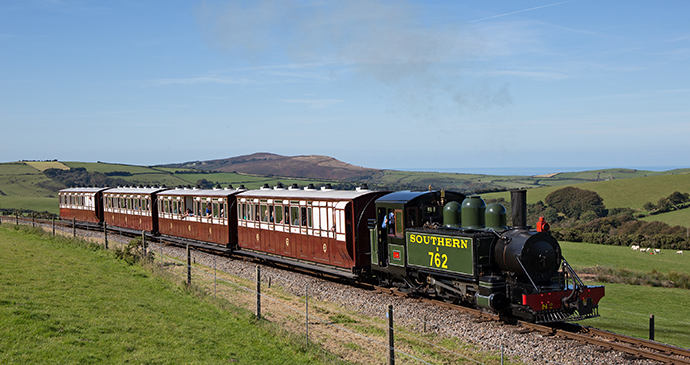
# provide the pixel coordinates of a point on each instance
(433, 243)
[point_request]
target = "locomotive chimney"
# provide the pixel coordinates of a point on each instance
(518, 202)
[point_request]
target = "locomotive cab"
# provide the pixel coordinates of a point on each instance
(396, 213)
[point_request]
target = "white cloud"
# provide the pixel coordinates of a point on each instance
(387, 42)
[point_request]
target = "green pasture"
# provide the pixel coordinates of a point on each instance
(20, 190)
(626, 308)
(61, 303)
(620, 193)
(17, 168)
(37, 204)
(109, 167)
(581, 254)
(672, 218)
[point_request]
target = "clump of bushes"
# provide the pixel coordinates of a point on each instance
(626, 276)
(134, 252)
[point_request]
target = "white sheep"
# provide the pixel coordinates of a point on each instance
(635, 247)
(679, 252)
(657, 251)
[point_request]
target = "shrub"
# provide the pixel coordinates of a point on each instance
(134, 252)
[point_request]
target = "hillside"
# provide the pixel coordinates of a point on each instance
(627, 193)
(24, 185)
(312, 166)
(324, 167)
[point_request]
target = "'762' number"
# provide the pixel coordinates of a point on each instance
(438, 260)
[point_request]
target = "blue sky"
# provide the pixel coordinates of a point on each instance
(385, 84)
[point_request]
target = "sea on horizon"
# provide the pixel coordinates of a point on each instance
(530, 171)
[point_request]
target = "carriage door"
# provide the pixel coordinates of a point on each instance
(381, 214)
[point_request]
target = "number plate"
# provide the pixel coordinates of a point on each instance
(441, 252)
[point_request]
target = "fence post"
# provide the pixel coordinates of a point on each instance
(214, 276)
(74, 227)
(16, 215)
(501, 354)
(424, 320)
(391, 341)
(105, 234)
(160, 244)
(258, 292)
(33, 220)
(53, 225)
(651, 327)
(189, 266)
(306, 301)
(143, 241)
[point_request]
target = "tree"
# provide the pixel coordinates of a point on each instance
(205, 184)
(677, 197)
(648, 206)
(588, 216)
(664, 205)
(550, 214)
(572, 202)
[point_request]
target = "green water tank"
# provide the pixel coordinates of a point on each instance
(472, 212)
(451, 214)
(495, 217)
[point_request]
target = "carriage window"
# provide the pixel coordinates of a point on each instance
(264, 213)
(280, 216)
(215, 209)
(294, 216)
(304, 216)
(309, 223)
(166, 206)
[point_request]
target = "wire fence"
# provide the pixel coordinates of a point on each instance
(338, 333)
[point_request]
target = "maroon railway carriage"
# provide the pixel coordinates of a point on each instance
(199, 214)
(82, 204)
(326, 226)
(132, 208)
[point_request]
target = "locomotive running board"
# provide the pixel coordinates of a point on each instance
(306, 265)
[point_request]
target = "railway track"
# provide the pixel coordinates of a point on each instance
(633, 348)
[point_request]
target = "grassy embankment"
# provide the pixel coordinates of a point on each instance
(626, 308)
(60, 303)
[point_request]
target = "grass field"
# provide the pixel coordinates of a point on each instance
(632, 192)
(673, 218)
(60, 303)
(19, 188)
(42, 166)
(626, 308)
(580, 254)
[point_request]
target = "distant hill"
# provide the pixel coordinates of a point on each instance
(269, 164)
